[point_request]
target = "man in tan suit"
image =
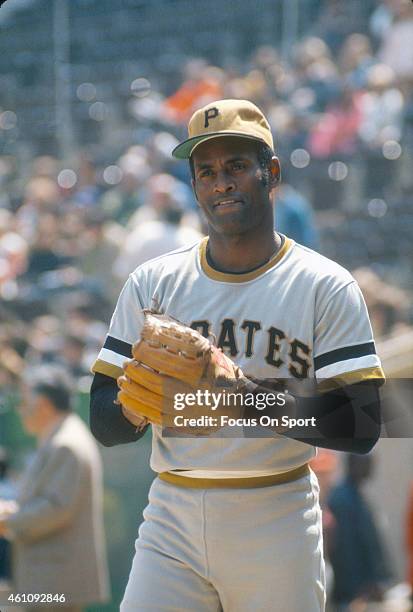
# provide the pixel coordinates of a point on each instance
(56, 525)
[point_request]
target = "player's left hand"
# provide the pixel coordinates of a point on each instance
(172, 360)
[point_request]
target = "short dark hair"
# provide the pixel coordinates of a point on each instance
(264, 154)
(55, 383)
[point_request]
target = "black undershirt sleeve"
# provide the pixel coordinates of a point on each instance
(347, 418)
(107, 422)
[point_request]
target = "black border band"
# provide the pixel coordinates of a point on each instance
(118, 346)
(342, 354)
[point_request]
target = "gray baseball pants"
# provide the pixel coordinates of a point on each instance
(229, 550)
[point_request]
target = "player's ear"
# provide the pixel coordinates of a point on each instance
(275, 169)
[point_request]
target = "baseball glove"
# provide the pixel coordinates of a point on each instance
(169, 359)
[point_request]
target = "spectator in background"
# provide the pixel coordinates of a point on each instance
(13, 254)
(294, 217)
(162, 192)
(45, 253)
(45, 165)
(397, 49)
(85, 317)
(125, 197)
(87, 189)
(44, 340)
(334, 136)
(153, 238)
(355, 59)
(357, 556)
(41, 196)
(101, 245)
(202, 83)
(381, 19)
(316, 76)
(72, 353)
(56, 526)
(338, 19)
(382, 111)
(335, 133)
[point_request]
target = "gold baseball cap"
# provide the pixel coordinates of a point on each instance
(225, 118)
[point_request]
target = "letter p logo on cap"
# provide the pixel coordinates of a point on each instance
(210, 113)
(225, 118)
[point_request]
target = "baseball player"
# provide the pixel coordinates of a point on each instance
(233, 523)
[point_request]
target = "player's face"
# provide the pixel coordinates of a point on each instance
(230, 186)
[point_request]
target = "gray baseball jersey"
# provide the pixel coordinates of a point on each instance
(300, 315)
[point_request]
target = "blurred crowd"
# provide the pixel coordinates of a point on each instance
(342, 114)
(359, 565)
(66, 252)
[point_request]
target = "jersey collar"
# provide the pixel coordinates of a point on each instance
(244, 277)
